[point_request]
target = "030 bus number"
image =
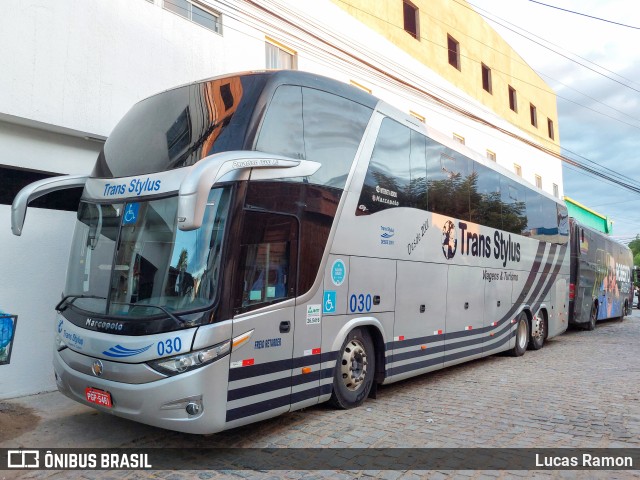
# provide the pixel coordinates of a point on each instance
(169, 346)
(360, 303)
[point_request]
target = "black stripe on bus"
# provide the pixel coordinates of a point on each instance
(280, 365)
(259, 407)
(257, 370)
(552, 279)
(447, 358)
(398, 357)
(448, 347)
(535, 268)
(278, 402)
(241, 373)
(544, 275)
(273, 385)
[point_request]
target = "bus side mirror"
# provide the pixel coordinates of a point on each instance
(37, 189)
(195, 187)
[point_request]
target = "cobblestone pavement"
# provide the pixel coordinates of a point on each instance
(582, 390)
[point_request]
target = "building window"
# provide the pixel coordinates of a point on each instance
(538, 181)
(556, 193)
(513, 99)
(534, 115)
(454, 52)
(518, 169)
(417, 115)
(196, 12)
(486, 78)
(279, 57)
(552, 134)
(458, 138)
(491, 155)
(411, 19)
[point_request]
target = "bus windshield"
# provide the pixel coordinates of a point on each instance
(130, 259)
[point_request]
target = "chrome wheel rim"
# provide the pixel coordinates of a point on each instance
(538, 327)
(353, 367)
(522, 333)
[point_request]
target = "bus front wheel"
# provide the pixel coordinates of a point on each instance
(522, 335)
(354, 371)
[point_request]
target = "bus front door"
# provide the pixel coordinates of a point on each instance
(265, 286)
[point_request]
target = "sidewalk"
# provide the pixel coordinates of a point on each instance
(49, 420)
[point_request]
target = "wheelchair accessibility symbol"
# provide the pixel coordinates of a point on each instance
(130, 213)
(329, 301)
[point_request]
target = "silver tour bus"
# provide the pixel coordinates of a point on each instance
(258, 243)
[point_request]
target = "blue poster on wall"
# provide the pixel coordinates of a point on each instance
(7, 334)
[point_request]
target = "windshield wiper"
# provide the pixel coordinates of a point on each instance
(174, 317)
(64, 303)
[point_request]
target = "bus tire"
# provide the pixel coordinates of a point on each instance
(538, 331)
(355, 370)
(593, 317)
(522, 336)
(625, 310)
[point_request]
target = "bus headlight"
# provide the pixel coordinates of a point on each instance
(191, 361)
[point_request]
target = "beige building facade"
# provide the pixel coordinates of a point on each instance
(454, 41)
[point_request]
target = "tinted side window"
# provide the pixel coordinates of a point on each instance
(333, 129)
(514, 215)
(563, 223)
(268, 252)
(388, 178)
(418, 160)
(282, 131)
(310, 124)
(486, 204)
(450, 181)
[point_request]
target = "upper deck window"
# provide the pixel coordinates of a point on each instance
(397, 172)
(196, 12)
(314, 125)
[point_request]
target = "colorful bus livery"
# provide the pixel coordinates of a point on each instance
(284, 239)
(601, 277)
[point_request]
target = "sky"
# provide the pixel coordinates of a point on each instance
(598, 106)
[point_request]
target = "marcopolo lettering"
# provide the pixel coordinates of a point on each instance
(479, 245)
(103, 325)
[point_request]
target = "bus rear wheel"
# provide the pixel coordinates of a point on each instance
(522, 335)
(538, 331)
(354, 371)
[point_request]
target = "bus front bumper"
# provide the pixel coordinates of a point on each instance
(162, 403)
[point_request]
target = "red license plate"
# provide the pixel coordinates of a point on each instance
(99, 397)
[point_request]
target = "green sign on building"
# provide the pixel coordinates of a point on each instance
(588, 217)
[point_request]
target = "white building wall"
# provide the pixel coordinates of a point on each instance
(72, 68)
